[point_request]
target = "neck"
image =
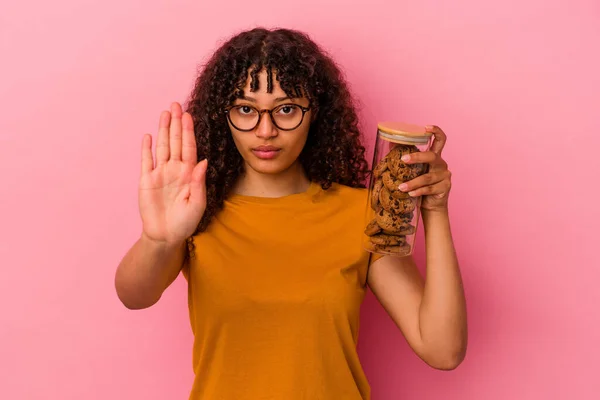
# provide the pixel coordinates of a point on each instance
(291, 181)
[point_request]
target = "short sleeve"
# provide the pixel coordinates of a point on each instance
(374, 257)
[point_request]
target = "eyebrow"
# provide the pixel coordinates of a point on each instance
(253, 100)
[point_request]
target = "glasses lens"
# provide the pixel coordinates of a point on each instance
(287, 116)
(243, 117)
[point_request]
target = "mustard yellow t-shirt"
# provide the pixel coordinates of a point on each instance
(275, 290)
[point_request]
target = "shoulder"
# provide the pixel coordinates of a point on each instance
(337, 189)
(346, 195)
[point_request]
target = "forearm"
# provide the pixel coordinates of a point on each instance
(146, 270)
(442, 314)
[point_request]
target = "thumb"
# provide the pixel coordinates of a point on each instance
(198, 184)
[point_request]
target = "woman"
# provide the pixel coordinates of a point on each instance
(266, 229)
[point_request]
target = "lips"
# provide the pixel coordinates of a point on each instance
(266, 148)
(266, 152)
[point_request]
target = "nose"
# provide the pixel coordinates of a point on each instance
(266, 129)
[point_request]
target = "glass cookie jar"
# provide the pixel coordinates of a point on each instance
(392, 215)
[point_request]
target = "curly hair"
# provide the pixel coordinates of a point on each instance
(333, 151)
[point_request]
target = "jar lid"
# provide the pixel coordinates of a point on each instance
(400, 132)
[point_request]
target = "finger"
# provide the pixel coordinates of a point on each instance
(439, 138)
(189, 140)
(162, 142)
(198, 185)
(438, 190)
(147, 161)
(175, 132)
(422, 157)
(428, 179)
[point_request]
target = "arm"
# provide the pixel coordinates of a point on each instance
(430, 314)
(146, 270)
(172, 200)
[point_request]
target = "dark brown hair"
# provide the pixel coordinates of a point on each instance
(333, 151)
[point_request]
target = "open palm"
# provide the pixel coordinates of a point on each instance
(172, 189)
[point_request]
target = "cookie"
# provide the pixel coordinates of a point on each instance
(405, 229)
(394, 157)
(400, 150)
(399, 169)
(402, 249)
(408, 172)
(380, 168)
(387, 240)
(420, 169)
(392, 185)
(375, 194)
(372, 228)
(391, 223)
(394, 205)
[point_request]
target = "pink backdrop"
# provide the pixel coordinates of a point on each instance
(515, 85)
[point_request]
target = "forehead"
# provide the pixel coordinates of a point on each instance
(264, 83)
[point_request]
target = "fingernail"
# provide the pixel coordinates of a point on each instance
(403, 187)
(412, 194)
(405, 158)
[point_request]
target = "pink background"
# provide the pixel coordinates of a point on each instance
(514, 84)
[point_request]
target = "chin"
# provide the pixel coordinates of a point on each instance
(268, 167)
(271, 166)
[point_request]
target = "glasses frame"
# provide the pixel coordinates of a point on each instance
(270, 112)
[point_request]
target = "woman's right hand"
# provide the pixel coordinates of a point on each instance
(172, 188)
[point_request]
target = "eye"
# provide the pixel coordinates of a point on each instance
(245, 110)
(287, 109)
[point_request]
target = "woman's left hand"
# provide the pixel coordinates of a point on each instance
(435, 185)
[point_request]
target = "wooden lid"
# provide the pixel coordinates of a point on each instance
(402, 129)
(399, 132)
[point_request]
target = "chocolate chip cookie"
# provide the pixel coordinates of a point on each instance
(398, 250)
(391, 223)
(383, 239)
(372, 228)
(394, 159)
(405, 229)
(394, 205)
(393, 184)
(380, 168)
(375, 194)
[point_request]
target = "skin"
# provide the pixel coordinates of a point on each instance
(172, 200)
(430, 313)
(282, 175)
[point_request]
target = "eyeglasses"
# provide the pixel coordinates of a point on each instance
(286, 117)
